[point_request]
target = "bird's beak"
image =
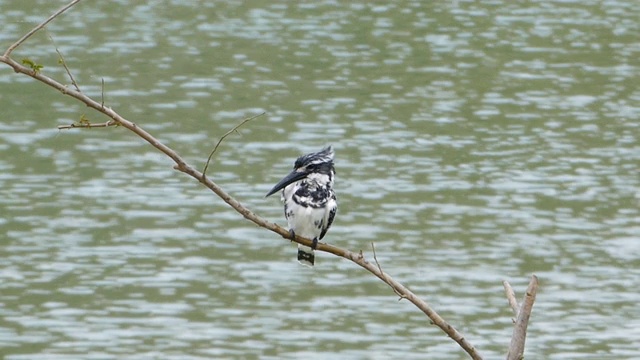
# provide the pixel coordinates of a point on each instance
(292, 177)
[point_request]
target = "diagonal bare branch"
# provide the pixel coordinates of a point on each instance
(38, 27)
(183, 166)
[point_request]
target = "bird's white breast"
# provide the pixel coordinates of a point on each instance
(305, 221)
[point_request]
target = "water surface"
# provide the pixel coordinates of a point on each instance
(475, 143)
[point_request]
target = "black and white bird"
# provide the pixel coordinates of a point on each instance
(309, 200)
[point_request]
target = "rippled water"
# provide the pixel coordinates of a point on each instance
(475, 142)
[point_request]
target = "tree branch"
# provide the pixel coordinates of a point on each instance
(523, 313)
(516, 348)
(87, 125)
(511, 298)
(35, 29)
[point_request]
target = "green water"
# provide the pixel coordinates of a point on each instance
(475, 142)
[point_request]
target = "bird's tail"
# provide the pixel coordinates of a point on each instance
(305, 255)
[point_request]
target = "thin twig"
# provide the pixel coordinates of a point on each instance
(102, 94)
(87, 125)
(40, 26)
(516, 348)
(64, 63)
(375, 258)
(361, 256)
(235, 129)
(511, 298)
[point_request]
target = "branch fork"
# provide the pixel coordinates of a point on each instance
(522, 314)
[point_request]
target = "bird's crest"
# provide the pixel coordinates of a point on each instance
(324, 156)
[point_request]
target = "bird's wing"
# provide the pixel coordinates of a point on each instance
(331, 214)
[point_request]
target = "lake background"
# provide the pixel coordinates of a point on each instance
(475, 143)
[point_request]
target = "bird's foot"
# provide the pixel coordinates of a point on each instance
(292, 234)
(314, 243)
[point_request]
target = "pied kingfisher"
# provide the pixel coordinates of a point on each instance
(309, 201)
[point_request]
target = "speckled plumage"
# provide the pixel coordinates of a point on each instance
(309, 202)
